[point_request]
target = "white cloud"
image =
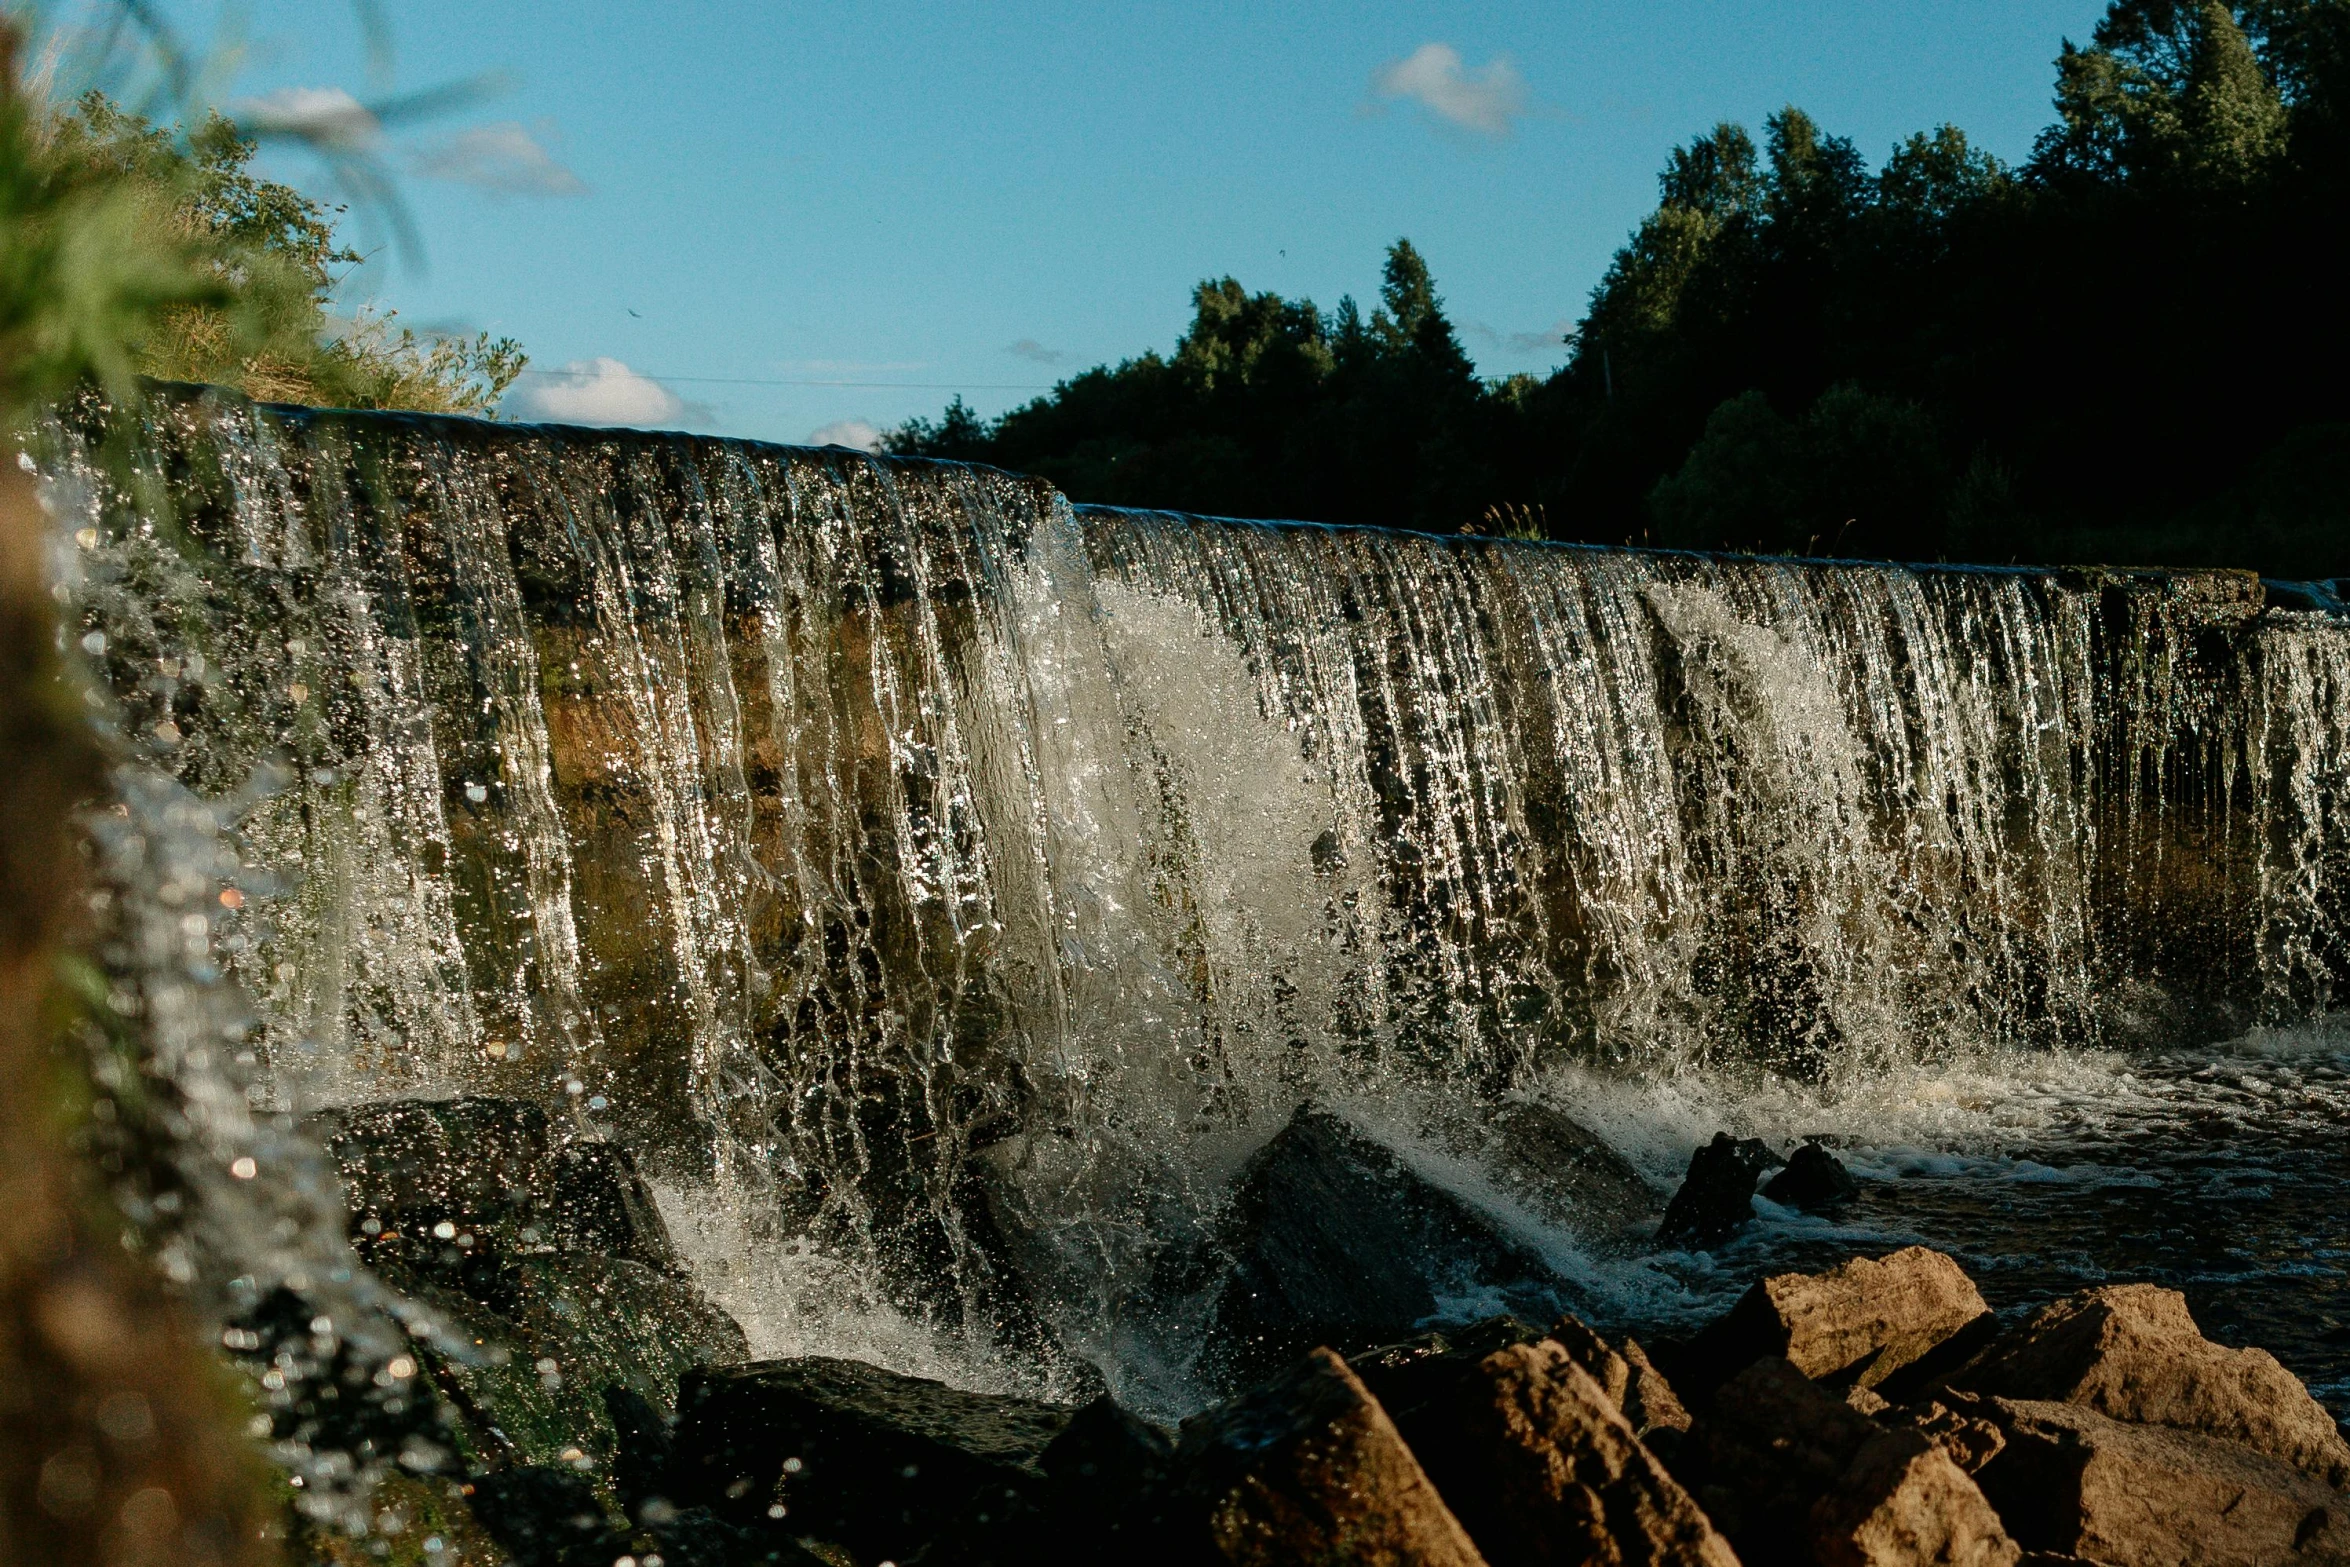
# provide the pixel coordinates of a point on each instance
(1489, 101)
(1030, 349)
(864, 435)
(324, 116)
(503, 157)
(1555, 336)
(595, 391)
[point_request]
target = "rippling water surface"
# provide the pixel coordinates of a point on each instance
(2223, 1172)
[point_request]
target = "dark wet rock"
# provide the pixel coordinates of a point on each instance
(1537, 1460)
(546, 1517)
(1772, 1443)
(1885, 1323)
(329, 1397)
(1335, 1241)
(1416, 1375)
(698, 1537)
(1557, 1169)
(1716, 1198)
(1304, 1469)
(491, 1170)
(1901, 1502)
(1389, 1370)
(1793, 1474)
(2133, 1352)
(1815, 1180)
(599, 1202)
(1103, 1457)
(642, 1446)
(1099, 1499)
(547, 1258)
(2071, 1480)
(574, 1326)
(870, 1460)
(1002, 1526)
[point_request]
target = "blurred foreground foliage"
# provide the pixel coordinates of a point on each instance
(2123, 350)
(129, 251)
(269, 259)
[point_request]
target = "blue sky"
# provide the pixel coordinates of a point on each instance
(922, 199)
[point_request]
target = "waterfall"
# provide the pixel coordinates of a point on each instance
(924, 871)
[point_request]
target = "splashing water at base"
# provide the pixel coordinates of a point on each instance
(947, 891)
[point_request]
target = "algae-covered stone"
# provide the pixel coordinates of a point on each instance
(546, 1259)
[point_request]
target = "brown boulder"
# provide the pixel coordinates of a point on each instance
(1794, 1474)
(1543, 1468)
(2071, 1480)
(1587, 1349)
(1957, 1423)
(1772, 1443)
(2133, 1352)
(1630, 1380)
(1306, 1470)
(1864, 1323)
(1650, 1403)
(1901, 1502)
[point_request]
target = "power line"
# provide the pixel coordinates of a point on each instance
(909, 386)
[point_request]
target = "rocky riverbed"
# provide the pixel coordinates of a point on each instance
(580, 1404)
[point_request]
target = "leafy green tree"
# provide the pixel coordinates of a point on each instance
(1860, 474)
(2168, 89)
(2120, 350)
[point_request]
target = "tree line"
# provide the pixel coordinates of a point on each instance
(2128, 348)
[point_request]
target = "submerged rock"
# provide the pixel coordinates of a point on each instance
(2133, 1352)
(1815, 1180)
(1883, 1323)
(870, 1460)
(2072, 1480)
(1305, 1469)
(1716, 1198)
(1335, 1241)
(1099, 1498)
